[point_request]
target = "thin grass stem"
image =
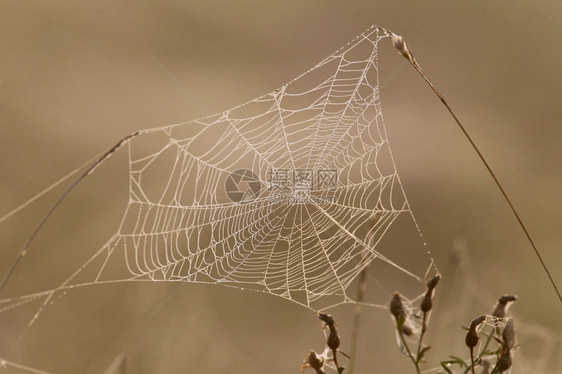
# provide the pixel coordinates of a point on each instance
(400, 45)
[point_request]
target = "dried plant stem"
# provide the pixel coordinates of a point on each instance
(424, 328)
(335, 354)
(361, 287)
(479, 356)
(412, 358)
(472, 360)
(400, 45)
(481, 353)
(493, 175)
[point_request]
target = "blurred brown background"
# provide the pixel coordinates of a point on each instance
(76, 77)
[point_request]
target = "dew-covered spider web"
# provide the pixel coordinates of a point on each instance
(290, 194)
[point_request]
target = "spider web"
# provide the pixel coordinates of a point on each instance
(289, 194)
(288, 232)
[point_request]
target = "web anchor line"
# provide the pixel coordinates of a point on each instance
(399, 43)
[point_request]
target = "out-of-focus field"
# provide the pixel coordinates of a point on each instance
(77, 76)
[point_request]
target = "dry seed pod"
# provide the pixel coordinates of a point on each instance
(397, 308)
(502, 305)
(472, 337)
(427, 302)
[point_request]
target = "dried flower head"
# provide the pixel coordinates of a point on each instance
(399, 43)
(502, 305)
(399, 313)
(327, 319)
(397, 307)
(315, 361)
(472, 337)
(427, 302)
